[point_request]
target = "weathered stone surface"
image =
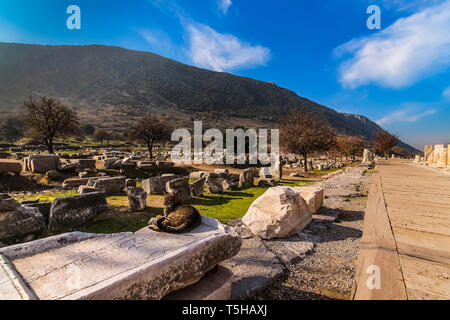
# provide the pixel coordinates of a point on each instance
(87, 189)
(197, 175)
(429, 154)
(215, 285)
(220, 171)
(157, 185)
(74, 211)
(87, 163)
(130, 183)
(367, 157)
(228, 183)
(198, 187)
(278, 213)
(18, 221)
(290, 251)
(111, 185)
(143, 265)
(314, 197)
(137, 198)
(246, 178)
(43, 207)
(254, 268)
(214, 182)
(13, 166)
(266, 183)
(76, 182)
(41, 163)
(164, 165)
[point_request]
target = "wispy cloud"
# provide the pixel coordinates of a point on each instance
(402, 54)
(211, 49)
(446, 93)
(224, 5)
(405, 116)
(407, 5)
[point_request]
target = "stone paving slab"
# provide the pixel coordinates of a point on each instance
(143, 265)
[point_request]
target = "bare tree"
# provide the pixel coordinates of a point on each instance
(350, 146)
(149, 129)
(385, 141)
(306, 133)
(50, 119)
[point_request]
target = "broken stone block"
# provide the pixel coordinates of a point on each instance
(180, 188)
(123, 266)
(197, 175)
(314, 197)
(110, 185)
(266, 183)
(265, 173)
(278, 213)
(198, 187)
(87, 163)
(214, 182)
(13, 166)
(41, 163)
(429, 151)
(228, 183)
(76, 182)
(87, 189)
(246, 178)
(74, 211)
(130, 183)
(164, 165)
(157, 185)
(137, 198)
(18, 221)
(222, 171)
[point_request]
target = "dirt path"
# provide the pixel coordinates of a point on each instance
(327, 271)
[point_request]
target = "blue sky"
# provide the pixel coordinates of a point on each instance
(322, 50)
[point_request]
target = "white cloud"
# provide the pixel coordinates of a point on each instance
(404, 116)
(407, 5)
(220, 52)
(446, 93)
(224, 5)
(402, 54)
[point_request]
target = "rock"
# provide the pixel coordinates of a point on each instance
(429, 151)
(43, 207)
(53, 174)
(87, 163)
(83, 174)
(278, 213)
(18, 221)
(130, 183)
(137, 198)
(110, 185)
(74, 211)
(222, 171)
(246, 178)
(76, 182)
(180, 188)
(123, 266)
(214, 182)
(41, 163)
(254, 269)
(197, 175)
(69, 167)
(198, 187)
(87, 189)
(266, 183)
(313, 196)
(229, 184)
(12, 166)
(164, 165)
(290, 251)
(157, 185)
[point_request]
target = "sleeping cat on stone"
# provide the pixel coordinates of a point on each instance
(177, 218)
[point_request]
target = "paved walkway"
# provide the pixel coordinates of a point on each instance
(406, 234)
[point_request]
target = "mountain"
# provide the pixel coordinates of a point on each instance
(108, 86)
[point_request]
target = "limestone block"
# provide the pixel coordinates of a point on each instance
(314, 197)
(278, 213)
(41, 163)
(429, 154)
(111, 185)
(74, 211)
(157, 185)
(122, 266)
(13, 166)
(214, 182)
(198, 187)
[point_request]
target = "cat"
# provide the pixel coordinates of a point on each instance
(177, 218)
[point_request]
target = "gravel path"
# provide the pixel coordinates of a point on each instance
(327, 271)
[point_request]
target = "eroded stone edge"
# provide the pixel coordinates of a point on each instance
(15, 279)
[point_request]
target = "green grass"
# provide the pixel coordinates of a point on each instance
(231, 205)
(326, 171)
(46, 196)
